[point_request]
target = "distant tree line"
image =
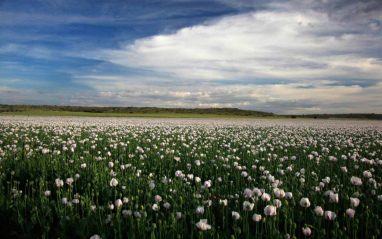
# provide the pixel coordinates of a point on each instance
(338, 116)
(134, 110)
(152, 110)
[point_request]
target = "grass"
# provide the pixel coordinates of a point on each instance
(158, 115)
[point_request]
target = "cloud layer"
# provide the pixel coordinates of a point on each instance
(299, 56)
(285, 45)
(281, 60)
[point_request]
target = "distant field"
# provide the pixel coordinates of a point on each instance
(159, 115)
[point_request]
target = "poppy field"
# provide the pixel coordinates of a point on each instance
(83, 177)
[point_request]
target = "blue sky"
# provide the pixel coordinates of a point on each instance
(297, 56)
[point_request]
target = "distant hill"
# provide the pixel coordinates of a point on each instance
(135, 110)
(163, 112)
(339, 116)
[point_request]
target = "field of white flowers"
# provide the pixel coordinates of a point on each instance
(189, 178)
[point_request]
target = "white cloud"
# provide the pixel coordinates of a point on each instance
(102, 77)
(117, 82)
(267, 44)
(323, 65)
(285, 59)
(278, 98)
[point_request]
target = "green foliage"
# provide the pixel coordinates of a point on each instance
(30, 164)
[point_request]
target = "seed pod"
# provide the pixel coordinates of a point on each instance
(294, 226)
(336, 225)
(285, 214)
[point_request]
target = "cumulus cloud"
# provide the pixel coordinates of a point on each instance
(312, 61)
(291, 45)
(294, 56)
(278, 98)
